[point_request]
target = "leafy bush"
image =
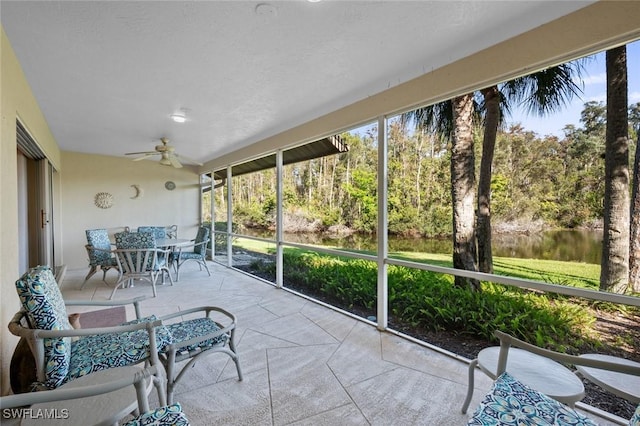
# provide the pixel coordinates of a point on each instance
(430, 301)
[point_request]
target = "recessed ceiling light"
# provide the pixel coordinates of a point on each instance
(266, 9)
(178, 118)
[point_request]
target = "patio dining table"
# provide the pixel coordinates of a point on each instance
(172, 243)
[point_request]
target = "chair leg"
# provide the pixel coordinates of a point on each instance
(120, 282)
(92, 271)
(160, 383)
(204, 262)
(170, 365)
(168, 272)
(472, 370)
(178, 264)
(235, 357)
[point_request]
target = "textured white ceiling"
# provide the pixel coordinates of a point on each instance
(107, 74)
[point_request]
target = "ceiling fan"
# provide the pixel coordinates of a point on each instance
(168, 156)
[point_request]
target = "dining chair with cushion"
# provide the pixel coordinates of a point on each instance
(196, 251)
(43, 323)
(139, 259)
(100, 253)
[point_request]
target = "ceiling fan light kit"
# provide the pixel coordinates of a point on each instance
(178, 118)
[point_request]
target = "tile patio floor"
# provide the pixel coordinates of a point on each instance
(303, 364)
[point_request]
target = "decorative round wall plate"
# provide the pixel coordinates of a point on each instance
(104, 200)
(170, 185)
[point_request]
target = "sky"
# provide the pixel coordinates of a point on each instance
(595, 83)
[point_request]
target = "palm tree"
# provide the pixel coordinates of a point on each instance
(463, 193)
(493, 118)
(614, 272)
(454, 120)
(542, 93)
(634, 237)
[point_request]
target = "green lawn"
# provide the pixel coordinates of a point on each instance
(583, 275)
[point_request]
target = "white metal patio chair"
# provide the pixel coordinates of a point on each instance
(99, 252)
(510, 401)
(196, 251)
(166, 341)
(43, 323)
(89, 404)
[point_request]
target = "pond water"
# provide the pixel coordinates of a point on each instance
(565, 245)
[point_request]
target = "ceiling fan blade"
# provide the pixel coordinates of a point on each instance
(144, 157)
(174, 161)
(142, 152)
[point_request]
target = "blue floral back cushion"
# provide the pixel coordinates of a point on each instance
(135, 240)
(167, 415)
(510, 402)
(41, 299)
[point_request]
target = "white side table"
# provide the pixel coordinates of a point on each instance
(624, 385)
(105, 409)
(539, 373)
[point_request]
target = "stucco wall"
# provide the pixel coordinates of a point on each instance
(16, 101)
(78, 178)
(85, 175)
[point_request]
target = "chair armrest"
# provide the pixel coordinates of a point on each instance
(18, 329)
(206, 309)
(30, 398)
(135, 302)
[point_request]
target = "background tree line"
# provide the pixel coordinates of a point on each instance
(560, 182)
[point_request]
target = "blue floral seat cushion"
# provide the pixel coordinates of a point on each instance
(188, 329)
(510, 402)
(167, 415)
(99, 352)
(41, 299)
(635, 419)
(189, 255)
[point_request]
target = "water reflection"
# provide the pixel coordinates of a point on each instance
(565, 245)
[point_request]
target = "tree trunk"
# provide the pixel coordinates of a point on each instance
(463, 191)
(614, 273)
(419, 174)
(492, 118)
(634, 242)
